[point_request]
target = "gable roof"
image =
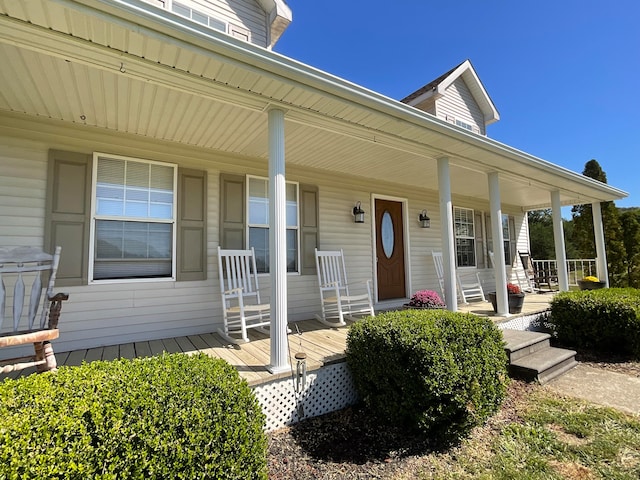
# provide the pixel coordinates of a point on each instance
(279, 17)
(437, 88)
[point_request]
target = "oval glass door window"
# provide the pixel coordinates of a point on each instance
(387, 234)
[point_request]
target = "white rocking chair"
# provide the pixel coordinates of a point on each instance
(241, 304)
(336, 301)
(468, 289)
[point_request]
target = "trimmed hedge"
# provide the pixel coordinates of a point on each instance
(603, 320)
(434, 371)
(174, 416)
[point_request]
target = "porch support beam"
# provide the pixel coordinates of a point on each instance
(502, 299)
(448, 243)
(601, 251)
(558, 237)
(277, 243)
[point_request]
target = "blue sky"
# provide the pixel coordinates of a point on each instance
(564, 74)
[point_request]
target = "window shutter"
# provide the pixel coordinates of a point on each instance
(309, 228)
(67, 214)
(480, 260)
(191, 242)
(232, 211)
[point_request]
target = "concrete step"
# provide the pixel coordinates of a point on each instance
(521, 343)
(543, 365)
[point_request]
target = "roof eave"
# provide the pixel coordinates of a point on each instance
(274, 64)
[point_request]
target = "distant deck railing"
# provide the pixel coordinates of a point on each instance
(546, 271)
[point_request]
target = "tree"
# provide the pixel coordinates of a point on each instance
(541, 234)
(583, 236)
(630, 220)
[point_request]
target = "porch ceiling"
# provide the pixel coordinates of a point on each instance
(129, 67)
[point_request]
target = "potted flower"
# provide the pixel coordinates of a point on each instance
(590, 283)
(425, 299)
(515, 297)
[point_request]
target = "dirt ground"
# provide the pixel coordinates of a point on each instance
(348, 445)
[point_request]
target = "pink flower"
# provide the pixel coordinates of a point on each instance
(426, 299)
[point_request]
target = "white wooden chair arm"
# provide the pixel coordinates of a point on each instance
(233, 290)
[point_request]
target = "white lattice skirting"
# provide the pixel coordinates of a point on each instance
(328, 389)
(534, 321)
(331, 387)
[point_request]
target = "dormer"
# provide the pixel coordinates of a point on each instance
(260, 22)
(457, 97)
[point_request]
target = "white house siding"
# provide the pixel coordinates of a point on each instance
(243, 13)
(459, 103)
(22, 191)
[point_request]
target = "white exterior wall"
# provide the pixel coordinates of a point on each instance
(106, 314)
(246, 14)
(23, 180)
(459, 103)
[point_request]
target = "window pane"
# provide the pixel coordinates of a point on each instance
(507, 253)
(134, 189)
(136, 209)
(292, 205)
(181, 9)
(132, 250)
(259, 240)
(217, 24)
(115, 239)
(465, 253)
(199, 17)
(292, 250)
(258, 202)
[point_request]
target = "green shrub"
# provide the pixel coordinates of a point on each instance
(435, 371)
(604, 320)
(173, 416)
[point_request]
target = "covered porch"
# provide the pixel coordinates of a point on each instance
(221, 107)
(322, 345)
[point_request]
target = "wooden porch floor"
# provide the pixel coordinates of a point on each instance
(323, 345)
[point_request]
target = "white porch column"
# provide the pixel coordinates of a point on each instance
(448, 244)
(601, 251)
(502, 299)
(277, 243)
(558, 237)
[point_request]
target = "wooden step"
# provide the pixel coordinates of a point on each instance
(532, 358)
(543, 365)
(521, 343)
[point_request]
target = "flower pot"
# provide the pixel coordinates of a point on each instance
(587, 285)
(516, 300)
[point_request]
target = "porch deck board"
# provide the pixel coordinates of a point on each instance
(127, 350)
(322, 344)
(94, 354)
(171, 346)
(143, 349)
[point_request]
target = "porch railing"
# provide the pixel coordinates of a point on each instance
(546, 271)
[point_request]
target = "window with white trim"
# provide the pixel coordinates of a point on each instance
(198, 17)
(506, 237)
(465, 237)
(133, 219)
(258, 224)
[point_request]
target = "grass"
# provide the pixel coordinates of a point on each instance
(551, 438)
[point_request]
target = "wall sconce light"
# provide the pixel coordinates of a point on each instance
(358, 213)
(425, 221)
